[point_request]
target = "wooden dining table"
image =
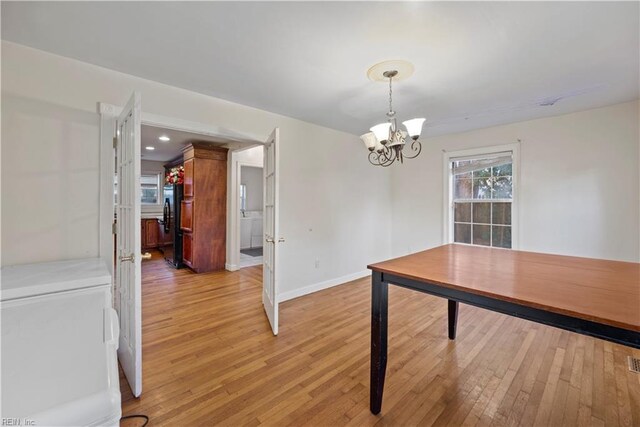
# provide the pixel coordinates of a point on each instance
(594, 297)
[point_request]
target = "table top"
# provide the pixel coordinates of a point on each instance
(602, 291)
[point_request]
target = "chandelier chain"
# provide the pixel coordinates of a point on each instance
(390, 95)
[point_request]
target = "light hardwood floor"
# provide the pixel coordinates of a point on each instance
(209, 358)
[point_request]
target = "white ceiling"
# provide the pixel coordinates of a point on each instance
(169, 150)
(476, 63)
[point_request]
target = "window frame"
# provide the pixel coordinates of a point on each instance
(449, 156)
(158, 178)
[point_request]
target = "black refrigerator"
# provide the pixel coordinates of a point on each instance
(172, 249)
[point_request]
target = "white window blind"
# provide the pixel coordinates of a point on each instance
(461, 167)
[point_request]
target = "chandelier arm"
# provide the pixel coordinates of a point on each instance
(374, 158)
(389, 157)
(386, 155)
(387, 164)
(382, 152)
(416, 147)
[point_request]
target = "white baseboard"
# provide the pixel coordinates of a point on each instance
(285, 296)
(231, 267)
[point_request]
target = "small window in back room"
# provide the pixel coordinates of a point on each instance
(243, 197)
(482, 199)
(150, 189)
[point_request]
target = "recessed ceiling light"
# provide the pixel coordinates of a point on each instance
(164, 138)
(150, 148)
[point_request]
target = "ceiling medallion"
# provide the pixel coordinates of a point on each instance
(385, 141)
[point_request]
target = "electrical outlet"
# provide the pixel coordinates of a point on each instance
(317, 263)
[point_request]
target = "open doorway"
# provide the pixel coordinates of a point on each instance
(251, 220)
(165, 156)
(126, 263)
(246, 205)
(167, 198)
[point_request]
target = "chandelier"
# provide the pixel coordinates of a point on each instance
(386, 141)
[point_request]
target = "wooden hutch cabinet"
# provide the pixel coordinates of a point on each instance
(203, 217)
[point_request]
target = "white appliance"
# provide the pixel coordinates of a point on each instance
(251, 230)
(59, 345)
(245, 232)
(256, 232)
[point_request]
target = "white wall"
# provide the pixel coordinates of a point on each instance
(253, 156)
(336, 209)
(579, 184)
(329, 203)
(252, 178)
(49, 181)
(152, 166)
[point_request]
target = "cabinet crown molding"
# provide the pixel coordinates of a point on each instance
(204, 150)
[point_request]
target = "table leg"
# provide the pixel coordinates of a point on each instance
(379, 317)
(453, 319)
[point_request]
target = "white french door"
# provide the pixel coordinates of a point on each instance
(128, 252)
(271, 232)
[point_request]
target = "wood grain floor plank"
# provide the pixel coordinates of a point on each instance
(209, 358)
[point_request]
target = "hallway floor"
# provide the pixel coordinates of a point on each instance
(247, 260)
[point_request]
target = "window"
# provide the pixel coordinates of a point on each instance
(243, 197)
(150, 189)
(481, 204)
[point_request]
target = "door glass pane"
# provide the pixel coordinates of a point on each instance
(115, 189)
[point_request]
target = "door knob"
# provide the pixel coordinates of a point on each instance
(146, 255)
(130, 258)
(269, 240)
